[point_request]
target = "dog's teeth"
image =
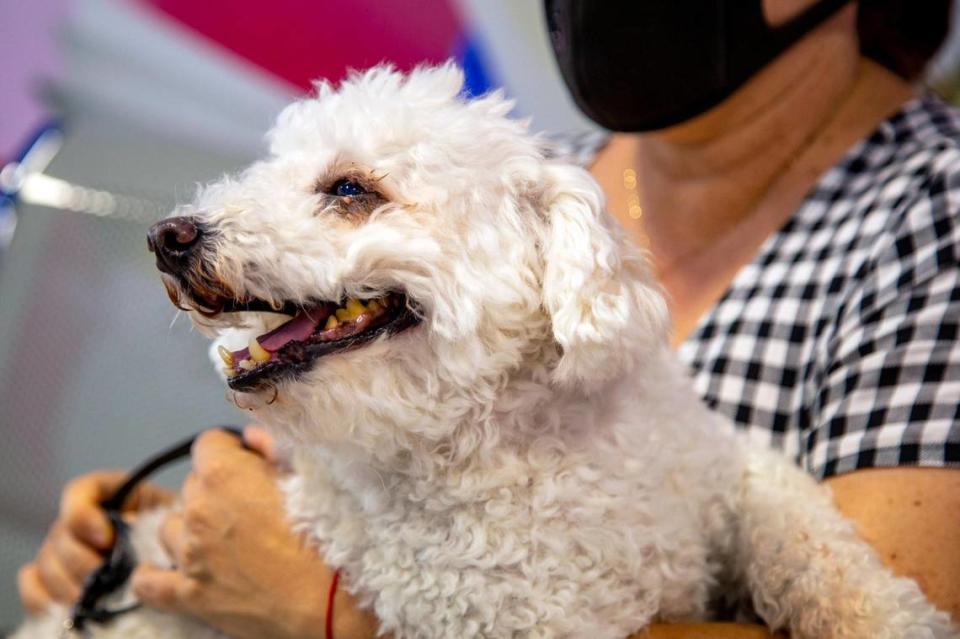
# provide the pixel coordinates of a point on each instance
(226, 356)
(343, 315)
(247, 364)
(374, 306)
(331, 323)
(257, 352)
(355, 307)
(230, 371)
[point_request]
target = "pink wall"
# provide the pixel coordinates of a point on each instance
(28, 54)
(301, 40)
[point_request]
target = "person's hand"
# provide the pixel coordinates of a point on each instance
(240, 567)
(75, 542)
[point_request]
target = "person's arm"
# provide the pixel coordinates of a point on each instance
(244, 571)
(75, 544)
(886, 424)
(911, 516)
(240, 567)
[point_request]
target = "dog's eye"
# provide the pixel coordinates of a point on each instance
(347, 188)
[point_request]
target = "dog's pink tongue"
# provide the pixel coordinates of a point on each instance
(298, 329)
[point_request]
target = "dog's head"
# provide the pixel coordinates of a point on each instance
(404, 251)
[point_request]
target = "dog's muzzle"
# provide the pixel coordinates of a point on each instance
(315, 328)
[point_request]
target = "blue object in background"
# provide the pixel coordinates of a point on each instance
(478, 74)
(33, 157)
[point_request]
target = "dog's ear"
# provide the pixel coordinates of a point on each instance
(606, 311)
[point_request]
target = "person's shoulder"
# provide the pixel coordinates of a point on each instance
(927, 135)
(910, 169)
(927, 121)
(924, 137)
(890, 211)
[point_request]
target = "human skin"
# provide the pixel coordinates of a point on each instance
(713, 189)
(725, 181)
(250, 581)
(75, 542)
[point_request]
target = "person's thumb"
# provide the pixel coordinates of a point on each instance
(167, 589)
(258, 440)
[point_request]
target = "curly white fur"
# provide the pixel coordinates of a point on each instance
(529, 461)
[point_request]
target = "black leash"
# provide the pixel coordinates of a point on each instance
(116, 569)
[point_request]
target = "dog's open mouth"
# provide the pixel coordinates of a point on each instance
(315, 330)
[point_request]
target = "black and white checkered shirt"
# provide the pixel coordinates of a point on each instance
(838, 342)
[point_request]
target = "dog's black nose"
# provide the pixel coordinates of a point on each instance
(174, 241)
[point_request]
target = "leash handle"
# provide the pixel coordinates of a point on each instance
(174, 453)
(122, 559)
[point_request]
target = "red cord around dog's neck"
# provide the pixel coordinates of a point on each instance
(330, 596)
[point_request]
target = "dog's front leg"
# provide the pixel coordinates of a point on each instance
(809, 572)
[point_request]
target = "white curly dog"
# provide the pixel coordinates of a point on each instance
(490, 435)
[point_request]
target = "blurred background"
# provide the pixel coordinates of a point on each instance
(113, 111)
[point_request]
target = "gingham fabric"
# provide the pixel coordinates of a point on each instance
(838, 342)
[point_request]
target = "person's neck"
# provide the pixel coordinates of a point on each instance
(703, 181)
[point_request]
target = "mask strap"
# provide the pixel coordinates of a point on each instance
(801, 24)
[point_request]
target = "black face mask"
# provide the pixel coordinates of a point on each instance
(640, 65)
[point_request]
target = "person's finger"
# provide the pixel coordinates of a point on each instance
(259, 440)
(192, 492)
(34, 596)
(171, 536)
(78, 559)
(80, 508)
(214, 448)
(165, 589)
(147, 496)
(55, 577)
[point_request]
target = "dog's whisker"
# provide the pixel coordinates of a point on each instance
(174, 319)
